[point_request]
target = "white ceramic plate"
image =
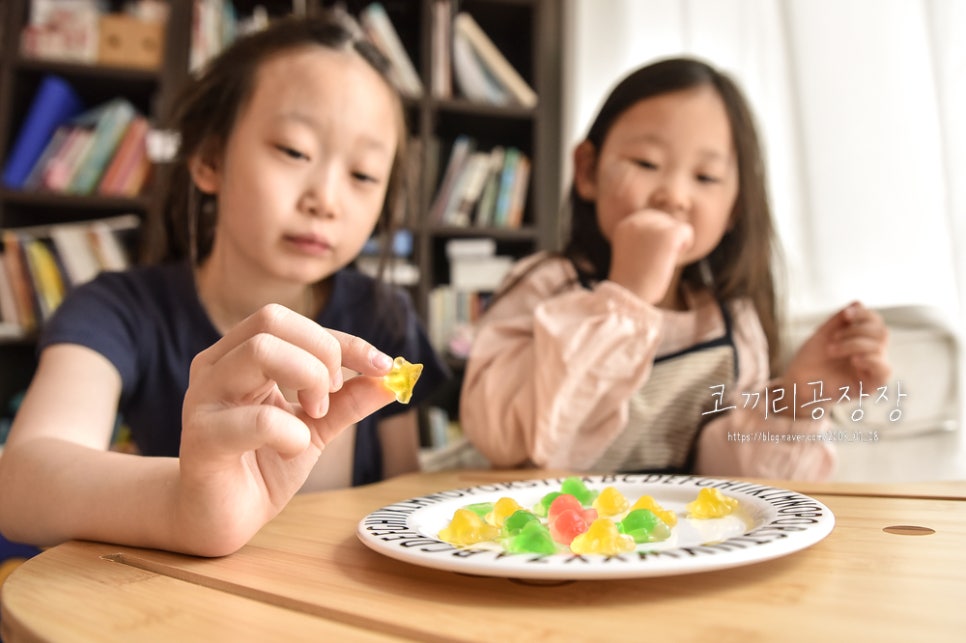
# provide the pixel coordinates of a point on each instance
(768, 523)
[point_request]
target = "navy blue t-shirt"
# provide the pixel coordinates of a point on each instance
(149, 322)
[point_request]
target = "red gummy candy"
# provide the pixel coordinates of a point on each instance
(561, 503)
(567, 525)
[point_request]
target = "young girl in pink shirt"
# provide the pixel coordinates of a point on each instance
(651, 341)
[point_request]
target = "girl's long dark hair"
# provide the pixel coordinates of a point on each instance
(742, 263)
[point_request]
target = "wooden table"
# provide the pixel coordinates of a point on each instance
(306, 576)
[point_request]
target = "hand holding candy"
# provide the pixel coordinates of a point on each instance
(246, 449)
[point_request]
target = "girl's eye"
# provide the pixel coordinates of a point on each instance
(707, 178)
(644, 163)
(292, 153)
(365, 178)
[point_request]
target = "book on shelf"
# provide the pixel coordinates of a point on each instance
(380, 30)
(43, 263)
(474, 79)
(466, 190)
(15, 262)
(483, 215)
(441, 76)
(108, 124)
(9, 317)
(56, 175)
(81, 150)
(465, 26)
(512, 189)
(518, 193)
(463, 147)
(54, 103)
(126, 173)
(45, 274)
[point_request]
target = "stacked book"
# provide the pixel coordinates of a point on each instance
(39, 265)
(64, 148)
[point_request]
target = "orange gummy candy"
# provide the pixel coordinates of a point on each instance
(402, 379)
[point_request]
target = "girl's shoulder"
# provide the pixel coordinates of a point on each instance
(541, 272)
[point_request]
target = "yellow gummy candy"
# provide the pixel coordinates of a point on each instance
(502, 509)
(602, 537)
(668, 517)
(711, 503)
(467, 528)
(402, 379)
(610, 502)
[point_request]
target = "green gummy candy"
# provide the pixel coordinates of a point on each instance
(480, 508)
(576, 487)
(644, 526)
(518, 520)
(542, 507)
(534, 538)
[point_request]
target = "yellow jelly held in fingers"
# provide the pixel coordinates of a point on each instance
(401, 379)
(711, 503)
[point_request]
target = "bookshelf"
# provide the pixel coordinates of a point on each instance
(526, 32)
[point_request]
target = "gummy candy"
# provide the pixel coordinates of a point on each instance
(518, 520)
(543, 506)
(503, 509)
(647, 502)
(467, 528)
(566, 502)
(481, 509)
(610, 502)
(566, 525)
(602, 537)
(402, 378)
(644, 526)
(576, 487)
(711, 503)
(533, 538)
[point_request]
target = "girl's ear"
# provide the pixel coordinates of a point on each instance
(585, 170)
(204, 173)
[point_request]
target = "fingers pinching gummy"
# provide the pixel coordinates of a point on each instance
(402, 378)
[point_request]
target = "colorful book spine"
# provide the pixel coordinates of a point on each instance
(132, 144)
(54, 103)
(107, 135)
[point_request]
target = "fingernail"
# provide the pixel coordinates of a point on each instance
(338, 380)
(380, 360)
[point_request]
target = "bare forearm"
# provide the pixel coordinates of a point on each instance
(53, 490)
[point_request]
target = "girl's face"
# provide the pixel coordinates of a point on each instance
(305, 170)
(672, 152)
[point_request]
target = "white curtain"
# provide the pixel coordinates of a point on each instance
(862, 109)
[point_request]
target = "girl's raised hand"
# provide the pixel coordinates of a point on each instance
(646, 248)
(849, 348)
(245, 449)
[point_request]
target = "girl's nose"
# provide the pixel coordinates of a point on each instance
(320, 197)
(671, 196)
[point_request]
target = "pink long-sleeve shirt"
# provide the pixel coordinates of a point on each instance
(554, 366)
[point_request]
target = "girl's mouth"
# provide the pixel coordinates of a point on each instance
(310, 245)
